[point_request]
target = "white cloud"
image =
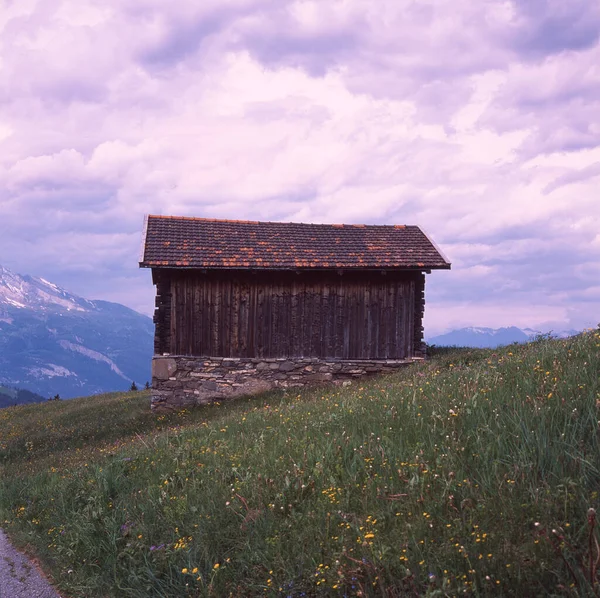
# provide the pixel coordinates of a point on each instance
(463, 118)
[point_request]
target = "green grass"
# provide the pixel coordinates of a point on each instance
(472, 473)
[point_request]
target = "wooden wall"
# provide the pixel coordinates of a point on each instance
(288, 314)
(162, 311)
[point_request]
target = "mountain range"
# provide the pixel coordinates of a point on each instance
(54, 342)
(490, 337)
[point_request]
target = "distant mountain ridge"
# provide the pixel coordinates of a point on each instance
(17, 396)
(490, 337)
(54, 342)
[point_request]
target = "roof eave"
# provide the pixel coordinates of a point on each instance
(439, 250)
(144, 236)
(417, 267)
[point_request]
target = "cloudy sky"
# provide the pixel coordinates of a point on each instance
(478, 121)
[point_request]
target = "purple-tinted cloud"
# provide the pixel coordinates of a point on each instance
(545, 27)
(476, 120)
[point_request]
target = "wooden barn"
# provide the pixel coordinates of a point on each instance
(242, 306)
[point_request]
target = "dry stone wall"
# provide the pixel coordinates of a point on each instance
(180, 381)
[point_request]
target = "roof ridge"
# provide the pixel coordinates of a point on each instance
(233, 221)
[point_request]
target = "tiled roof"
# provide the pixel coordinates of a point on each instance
(181, 242)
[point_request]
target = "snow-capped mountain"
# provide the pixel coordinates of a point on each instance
(490, 337)
(26, 292)
(54, 342)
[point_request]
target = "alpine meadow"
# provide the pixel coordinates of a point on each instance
(476, 472)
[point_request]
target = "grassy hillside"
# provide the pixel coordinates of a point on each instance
(472, 473)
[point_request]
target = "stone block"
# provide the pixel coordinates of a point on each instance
(287, 366)
(163, 367)
(229, 361)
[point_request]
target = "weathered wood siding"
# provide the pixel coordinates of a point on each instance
(419, 307)
(285, 314)
(162, 312)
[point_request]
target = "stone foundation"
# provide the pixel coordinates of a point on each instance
(180, 381)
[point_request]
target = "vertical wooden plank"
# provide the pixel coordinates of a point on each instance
(180, 317)
(195, 309)
(221, 324)
(278, 318)
(357, 321)
(307, 317)
(389, 320)
(266, 323)
(174, 316)
(301, 347)
(229, 317)
(251, 349)
(379, 332)
(287, 333)
(286, 320)
(186, 317)
(325, 319)
(214, 311)
(284, 323)
(419, 313)
(396, 350)
(344, 315)
(315, 323)
(399, 320)
(405, 308)
(374, 320)
(369, 314)
(172, 332)
(339, 323)
(235, 318)
(274, 319)
(410, 330)
(293, 299)
(262, 292)
(189, 298)
(269, 319)
(207, 316)
(350, 291)
(243, 318)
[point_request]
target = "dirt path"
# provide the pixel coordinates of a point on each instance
(19, 578)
